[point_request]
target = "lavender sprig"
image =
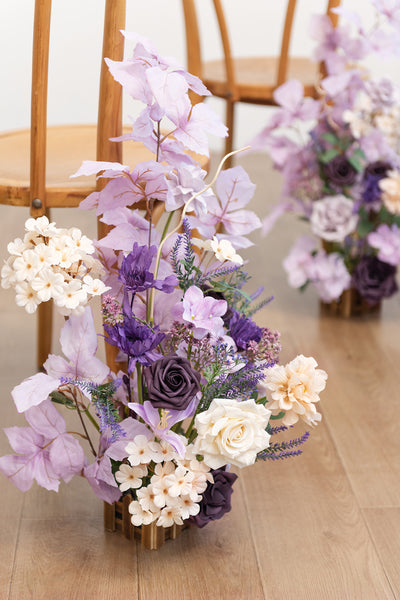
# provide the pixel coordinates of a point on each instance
(283, 449)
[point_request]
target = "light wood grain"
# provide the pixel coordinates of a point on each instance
(384, 525)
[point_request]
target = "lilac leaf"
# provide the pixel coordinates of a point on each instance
(234, 188)
(92, 167)
(23, 440)
(17, 470)
(46, 420)
(66, 456)
(166, 87)
(33, 391)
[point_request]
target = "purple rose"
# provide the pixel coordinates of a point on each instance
(216, 500)
(340, 172)
(171, 382)
(374, 279)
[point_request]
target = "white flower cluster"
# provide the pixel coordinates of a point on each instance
(168, 488)
(52, 263)
(369, 115)
(390, 187)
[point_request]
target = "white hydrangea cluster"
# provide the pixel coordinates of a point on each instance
(167, 487)
(52, 263)
(369, 115)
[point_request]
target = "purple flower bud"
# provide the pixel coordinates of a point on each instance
(216, 500)
(374, 279)
(171, 382)
(243, 330)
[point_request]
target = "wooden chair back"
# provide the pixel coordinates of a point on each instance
(194, 56)
(109, 122)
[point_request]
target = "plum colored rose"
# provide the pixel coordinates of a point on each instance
(374, 279)
(340, 172)
(216, 499)
(171, 382)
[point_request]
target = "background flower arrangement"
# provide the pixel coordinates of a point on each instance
(200, 385)
(342, 173)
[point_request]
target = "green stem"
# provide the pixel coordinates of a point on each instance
(139, 383)
(91, 418)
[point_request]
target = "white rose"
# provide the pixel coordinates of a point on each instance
(231, 432)
(391, 192)
(333, 218)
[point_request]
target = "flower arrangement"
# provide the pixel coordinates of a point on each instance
(198, 387)
(341, 170)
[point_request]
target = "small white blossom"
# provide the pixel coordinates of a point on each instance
(138, 515)
(46, 255)
(130, 477)
(17, 247)
(26, 297)
(145, 496)
(170, 515)
(48, 285)
(73, 295)
(179, 483)
(188, 507)
(8, 274)
(41, 225)
(140, 451)
(224, 250)
(94, 287)
(26, 266)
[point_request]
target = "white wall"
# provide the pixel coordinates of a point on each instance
(76, 47)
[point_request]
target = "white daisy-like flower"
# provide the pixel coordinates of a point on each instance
(162, 470)
(32, 239)
(94, 287)
(41, 225)
(199, 483)
(26, 266)
(167, 452)
(26, 297)
(224, 250)
(145, 496)
(188, 507)
(140, 450)
(48, 285)
(162, 496)
(67, 256)
(17, 247)
(8, 274)
(46, 255)
(130, 477)
(170, 515)
(138, 515)
(179, 483)
(82, 242)
(72, 296)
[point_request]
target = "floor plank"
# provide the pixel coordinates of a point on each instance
(384, 524)
(310, 536)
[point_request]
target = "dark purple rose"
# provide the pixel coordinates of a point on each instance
(216, 499)
(340, 172)
(243, 330)
(374, 279)
(171, 382)
(371, 192)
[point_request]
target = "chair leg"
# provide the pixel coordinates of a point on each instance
(230, 116)
(44, 331)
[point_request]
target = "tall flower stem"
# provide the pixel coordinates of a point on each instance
(84, 426)
(139, 383)
(184, 211)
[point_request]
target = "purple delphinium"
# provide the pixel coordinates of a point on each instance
(243, 330)
(216, 499)
(374, 279)
(135, 339)
(371, 192)
(135, 271)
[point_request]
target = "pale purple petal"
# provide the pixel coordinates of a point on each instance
(234, 188)
(33, 391)
(92, 167)
(147, 412)
(46, 420)
(43, 473)
(66, 456)
(24, 440)
(18, 470)
(176, 442)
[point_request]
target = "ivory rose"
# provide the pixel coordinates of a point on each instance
(391, 192)
(295, 388)
(231, 432)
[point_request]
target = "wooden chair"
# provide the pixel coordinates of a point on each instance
(36, 163)
(251, 80)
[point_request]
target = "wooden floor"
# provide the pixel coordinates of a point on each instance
(324, 526)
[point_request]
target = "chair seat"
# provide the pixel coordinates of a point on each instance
(256, 77)
(67, 147)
